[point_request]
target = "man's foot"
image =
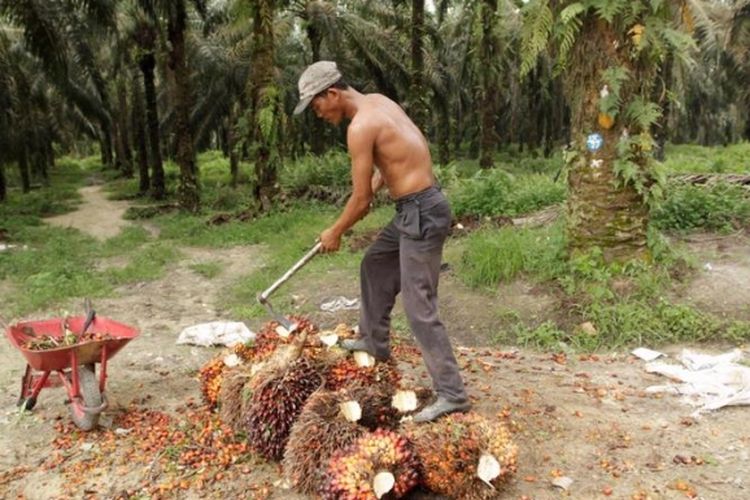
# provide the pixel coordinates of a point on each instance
(439, 408)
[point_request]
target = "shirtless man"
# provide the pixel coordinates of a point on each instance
(406, 255)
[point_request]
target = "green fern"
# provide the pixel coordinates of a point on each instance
(613, 78)
(537, 27)
(609, 9)
(642, 113)
(570, 25)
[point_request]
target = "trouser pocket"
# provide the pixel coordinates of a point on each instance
(408, 221)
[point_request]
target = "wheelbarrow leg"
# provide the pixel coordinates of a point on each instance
(103, 370)
(30, 390)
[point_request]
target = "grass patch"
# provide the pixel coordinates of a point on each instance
(495, 192)
(289, 235)
(147, 264)
(129, 239)
(632, 323)
(56, 265)
(492, 256)
(720, 207)
(207, 269)
(691, 158)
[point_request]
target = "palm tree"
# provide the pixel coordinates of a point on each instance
(189, 188)
(265, 102)
(608, 52)
(143, 28)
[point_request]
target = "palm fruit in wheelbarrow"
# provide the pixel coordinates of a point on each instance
(377, 464)
(464, 456)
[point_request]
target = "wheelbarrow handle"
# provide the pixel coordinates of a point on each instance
(263, 297)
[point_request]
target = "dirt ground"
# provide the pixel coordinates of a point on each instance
(584, 417)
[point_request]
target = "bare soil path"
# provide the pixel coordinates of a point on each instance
(97, 215)
(585, 417)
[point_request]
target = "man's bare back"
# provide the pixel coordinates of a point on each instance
(400, 151)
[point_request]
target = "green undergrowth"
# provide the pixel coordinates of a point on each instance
(693, 159)
(720, 207)
(210, 269)
(287, 237)
(622, 305)
(50, 265)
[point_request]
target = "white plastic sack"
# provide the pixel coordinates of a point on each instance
(340, 303)
(706, 381)
(225, 333)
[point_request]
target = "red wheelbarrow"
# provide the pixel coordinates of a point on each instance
(75, 365)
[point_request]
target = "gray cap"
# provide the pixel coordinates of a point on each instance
(315, 79)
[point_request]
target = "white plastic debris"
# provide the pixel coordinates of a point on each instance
(708, 382)
(225, 333)
(340, 303)
(708, 267)
(563, 482)
(646, 354)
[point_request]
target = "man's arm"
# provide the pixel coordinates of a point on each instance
(377, 181)
(360, 139)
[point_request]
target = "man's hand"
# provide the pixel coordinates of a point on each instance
(330, 240)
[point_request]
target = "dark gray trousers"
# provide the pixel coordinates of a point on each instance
(406, 258)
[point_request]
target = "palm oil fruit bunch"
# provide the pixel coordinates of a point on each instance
(346, 372)
(210, 377)
(378, 463)
(464, 456)
(275, 404)
(233, 396)
(375, 402)
(320, 431)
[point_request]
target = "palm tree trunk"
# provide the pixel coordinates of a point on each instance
(23, 169)
(50, 153)
(189, 190)
(490, 90)
(234, 160)
(264, 99)
(418, 106)
(3, 184)
(123, 136)
(317, 144)
(147, 64)
(106, 143)
(138, 120)
(602, 211)
(444, 132)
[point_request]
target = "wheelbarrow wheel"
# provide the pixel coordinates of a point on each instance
(91, 396)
